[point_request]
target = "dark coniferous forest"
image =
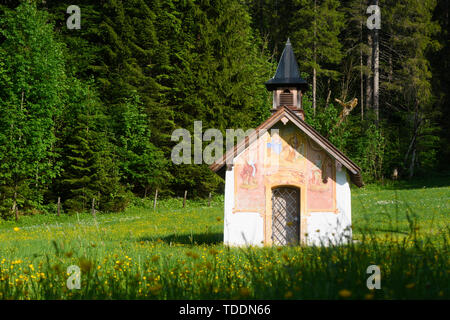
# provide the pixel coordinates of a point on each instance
(89, 113)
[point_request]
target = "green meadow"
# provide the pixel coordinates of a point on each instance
(176, 253)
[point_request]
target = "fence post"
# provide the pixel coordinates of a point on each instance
(156, 198)
(14, 208)
(209, 200)
(184, 200)
(59, 206)
(93, 207)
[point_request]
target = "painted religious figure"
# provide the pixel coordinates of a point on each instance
(248, 175)
(320, 180)
(249, 185)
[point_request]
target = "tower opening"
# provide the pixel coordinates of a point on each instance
(286, 98)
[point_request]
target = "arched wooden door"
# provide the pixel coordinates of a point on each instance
(285, 216)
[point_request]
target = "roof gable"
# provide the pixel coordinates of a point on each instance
(354, 170)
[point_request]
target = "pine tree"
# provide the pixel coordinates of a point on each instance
(217, 74)
(354, 64)
(440, 64)
(318, 24)
(271, 19)
(142, 164)
(84, 46)
(77, 179)
(409, 91)
(90, 166)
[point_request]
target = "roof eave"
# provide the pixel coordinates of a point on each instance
(354, 170)
(274, 84)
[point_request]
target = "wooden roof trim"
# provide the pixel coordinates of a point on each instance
(244, 143)
(310, 131)
(324, 143)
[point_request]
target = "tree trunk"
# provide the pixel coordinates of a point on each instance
(361, 74)
(376, 73)
(14, 207)
(156, 199)
(93, 207)
(328, 97)
(314, 60)
(413, 143)
(369, 76)
(314, 90)
(391, 68)
(411, 166)
(362, 86)
(410, 147)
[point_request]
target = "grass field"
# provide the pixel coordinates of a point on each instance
(175, 253)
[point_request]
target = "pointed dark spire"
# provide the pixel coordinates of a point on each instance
(287, 74)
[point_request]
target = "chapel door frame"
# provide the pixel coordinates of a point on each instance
(268, 212)
(286, 216)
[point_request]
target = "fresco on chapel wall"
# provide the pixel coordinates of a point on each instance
(248, 178)
(283, 157)
(321, 181)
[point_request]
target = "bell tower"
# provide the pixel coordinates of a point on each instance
(287, 86)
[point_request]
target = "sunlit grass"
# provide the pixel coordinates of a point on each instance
(175, 253)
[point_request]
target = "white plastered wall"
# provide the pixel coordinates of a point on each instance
(330, 228)
(323, 228)
(240, 228)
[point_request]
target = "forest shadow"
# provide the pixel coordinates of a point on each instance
(431, 181)
(190, 239)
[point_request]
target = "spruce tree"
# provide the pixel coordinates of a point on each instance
(90, 165)
(440, 64)
(409, 92)
(142, 165)
(216, 75)
(317, 25)
(354, 68)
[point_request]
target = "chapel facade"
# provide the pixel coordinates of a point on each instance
(286, 184)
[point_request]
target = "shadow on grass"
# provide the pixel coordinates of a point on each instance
(384, 230)
(191, 239)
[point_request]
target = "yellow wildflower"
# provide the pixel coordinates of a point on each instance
(410, 285)
(344, 293)
(368, 296)
(244, 292)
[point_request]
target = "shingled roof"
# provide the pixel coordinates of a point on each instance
(287, 73)
(353, 169)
